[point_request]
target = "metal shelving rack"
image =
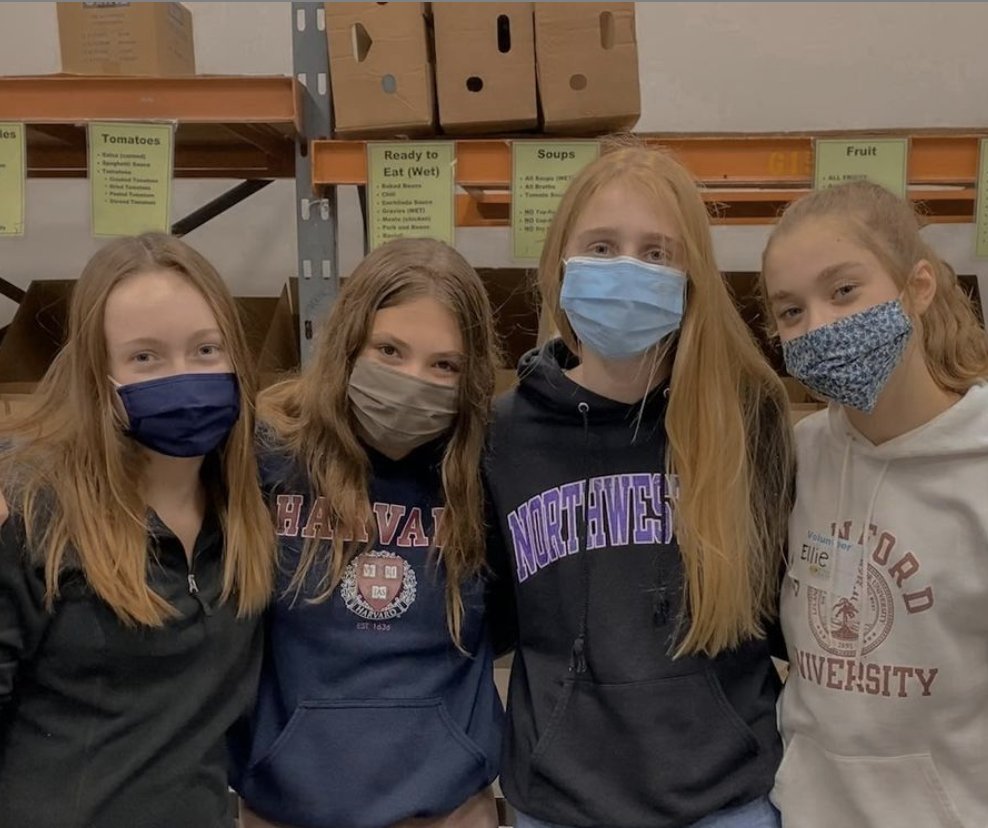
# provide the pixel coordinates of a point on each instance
(746, 179)
(264, 128)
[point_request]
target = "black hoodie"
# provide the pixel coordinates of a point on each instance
(605, 727)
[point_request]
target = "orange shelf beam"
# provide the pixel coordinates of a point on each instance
(749, 177)
(237, 126)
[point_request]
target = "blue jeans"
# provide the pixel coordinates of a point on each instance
(759, 813)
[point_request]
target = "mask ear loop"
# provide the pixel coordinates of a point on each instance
(117, 405)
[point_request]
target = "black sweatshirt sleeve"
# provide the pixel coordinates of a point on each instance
(501, 612)
(23, 617)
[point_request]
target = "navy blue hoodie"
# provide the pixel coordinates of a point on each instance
(605, 727)
(367, 713)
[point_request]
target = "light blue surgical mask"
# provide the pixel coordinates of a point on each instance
(619, 308)
(850, 361)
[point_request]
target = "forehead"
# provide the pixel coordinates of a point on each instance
(810, 247)
(159, 304)
(628, 206)
(422, 322)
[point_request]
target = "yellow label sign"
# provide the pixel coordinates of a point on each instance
(130, 177)
(410, 190)
(13, 175)
(981, 215)
(540, 173)
(882, 161)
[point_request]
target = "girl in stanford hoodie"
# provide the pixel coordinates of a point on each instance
(377, 705)
(885, 711)
(640, 487)
(138, 555)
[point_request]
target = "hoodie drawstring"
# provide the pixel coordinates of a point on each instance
(863, 548)
(835, 535)
(578, 657)
(865, 554)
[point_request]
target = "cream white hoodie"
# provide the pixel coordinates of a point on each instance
(885, 712)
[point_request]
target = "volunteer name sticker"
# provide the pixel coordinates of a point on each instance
(882, 160)
(410, 190)
(981, 217)
(540, 173)
(13, 174)
(130, 177)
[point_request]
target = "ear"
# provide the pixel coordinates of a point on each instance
(922, 287)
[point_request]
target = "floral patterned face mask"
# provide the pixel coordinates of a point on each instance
(850, 361)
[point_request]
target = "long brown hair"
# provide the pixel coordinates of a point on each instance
(312, 418)
(955, 345)
(727, 420)
(75, 478)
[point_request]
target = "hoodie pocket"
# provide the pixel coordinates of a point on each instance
(818, 789)
(638, 753)
(364, 764)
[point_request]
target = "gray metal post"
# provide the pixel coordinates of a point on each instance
(318, 260)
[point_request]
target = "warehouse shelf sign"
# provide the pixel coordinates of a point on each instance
(130, 177)
(540, 173)
(410, 190)
(882, 161)
(13, 174)
(981, 218)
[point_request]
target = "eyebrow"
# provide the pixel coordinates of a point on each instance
(402, 344)
(150, 340)
(659, 238)
(824, 275)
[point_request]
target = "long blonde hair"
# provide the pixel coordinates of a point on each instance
(75, 478)
(727, 420)
(955, 345)
(312, 417)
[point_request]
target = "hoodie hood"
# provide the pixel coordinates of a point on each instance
(960, 430)
(543, 381)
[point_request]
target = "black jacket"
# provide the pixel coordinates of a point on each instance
(605, 727)
(105, 726)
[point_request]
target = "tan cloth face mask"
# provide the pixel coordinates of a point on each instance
(397, 412)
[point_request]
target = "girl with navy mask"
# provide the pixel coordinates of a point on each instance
(377, 705)
(883, 714)
(640, 478)
(137, 557)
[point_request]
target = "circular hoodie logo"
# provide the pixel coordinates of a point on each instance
(378, 586)
(838, 625)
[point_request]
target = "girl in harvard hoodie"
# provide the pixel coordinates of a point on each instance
(377, 705)
(640, 491)
(885, 711)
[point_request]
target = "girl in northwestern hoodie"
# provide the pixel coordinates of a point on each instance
(640, 480)
(884, 714)
(377, 703)
(138, 555)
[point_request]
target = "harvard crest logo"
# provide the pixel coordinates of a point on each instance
(838, 625)
(378, 586)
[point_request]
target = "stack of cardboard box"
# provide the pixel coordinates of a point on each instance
(408, 69)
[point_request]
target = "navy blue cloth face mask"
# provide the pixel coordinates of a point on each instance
(184, 415)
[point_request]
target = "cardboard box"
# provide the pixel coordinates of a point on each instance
(34, 336)
(516, 309)
(380, 69)
(126, 39)
(587, 59)
(272, 334)
(38, 329)
(485, 66)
